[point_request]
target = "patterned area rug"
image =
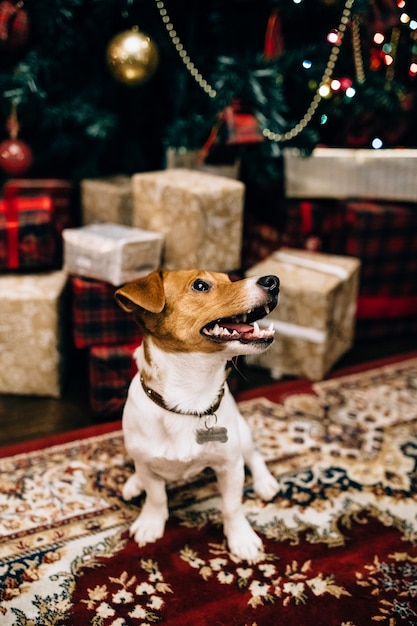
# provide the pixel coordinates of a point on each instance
(340, 536)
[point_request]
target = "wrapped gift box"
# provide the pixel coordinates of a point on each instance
(111, 252)
(200, 216)
(192, 160)
(107, 200)
(352, 173)
(27, 235)
(315, 317)
(32, 333)
(383, 235)
(111, 368)
(64, 201)
(96, 316)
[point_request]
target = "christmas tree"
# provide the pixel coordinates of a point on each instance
(299, 72)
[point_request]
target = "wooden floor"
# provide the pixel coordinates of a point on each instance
(24, 418)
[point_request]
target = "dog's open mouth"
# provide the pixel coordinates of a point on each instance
(243, 328)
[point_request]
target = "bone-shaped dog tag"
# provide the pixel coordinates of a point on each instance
(211, 432)
(204, 435)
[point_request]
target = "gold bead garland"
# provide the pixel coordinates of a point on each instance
(212, 93)
(183, 54)
(357, 50)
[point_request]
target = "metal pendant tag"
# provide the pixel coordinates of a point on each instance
(204, 435)
(211, 432)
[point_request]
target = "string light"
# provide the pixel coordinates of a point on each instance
(322, 91)
(377, 143)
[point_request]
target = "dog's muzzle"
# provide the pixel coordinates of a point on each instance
(243, 326)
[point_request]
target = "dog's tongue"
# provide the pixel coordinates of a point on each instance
(240, 328)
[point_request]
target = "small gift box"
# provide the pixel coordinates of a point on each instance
(199, 214)
(27, 237)
(111, 369)
(97, 318)
(107, 200)
(32, 333)
(110, 252)
(315, 318)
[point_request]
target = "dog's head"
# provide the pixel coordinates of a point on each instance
(200, 311)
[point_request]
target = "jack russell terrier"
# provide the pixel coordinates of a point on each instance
(180, 416)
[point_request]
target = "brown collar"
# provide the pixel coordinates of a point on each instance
(158, 399)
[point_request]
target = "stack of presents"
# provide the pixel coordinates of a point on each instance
(346, 260)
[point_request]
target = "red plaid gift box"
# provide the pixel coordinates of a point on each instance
(27, 239)
(111, 368)
(383, 235)
(97, 318)
(63, 196)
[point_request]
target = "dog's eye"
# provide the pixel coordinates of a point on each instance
(200, 285)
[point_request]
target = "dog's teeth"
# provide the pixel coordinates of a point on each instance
(267, 309)
(271, 328)
(256, 327)
(217, 330)
(244, 318)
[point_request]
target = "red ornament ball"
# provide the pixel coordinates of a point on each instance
(15, 157)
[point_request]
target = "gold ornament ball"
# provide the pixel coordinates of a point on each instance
(132, 57)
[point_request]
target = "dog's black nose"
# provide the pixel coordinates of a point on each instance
(270, 283)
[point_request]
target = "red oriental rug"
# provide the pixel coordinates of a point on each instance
(340, 537)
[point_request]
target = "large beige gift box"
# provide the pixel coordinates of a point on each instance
(315, 318)
(111, 252)
(107, 200)
(32, 333)
(339, 173)
(199, 214)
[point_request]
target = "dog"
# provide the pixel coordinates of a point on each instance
(180, 416)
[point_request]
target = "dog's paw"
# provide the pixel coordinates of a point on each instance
(247, 547)
(132, 488)
(266, 487)
(147, 529)
(245, 544)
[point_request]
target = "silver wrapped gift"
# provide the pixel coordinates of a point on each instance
(111, 252)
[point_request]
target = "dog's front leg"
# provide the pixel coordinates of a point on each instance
(150, 524)
(242, 540)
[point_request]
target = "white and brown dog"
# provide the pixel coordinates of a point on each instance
(180, 416)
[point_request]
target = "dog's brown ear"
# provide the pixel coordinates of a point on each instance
(146, 293)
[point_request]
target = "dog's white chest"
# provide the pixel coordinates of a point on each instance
(174, 470)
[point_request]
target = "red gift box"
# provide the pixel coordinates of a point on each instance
(97, 318)
(111, 368)
(27, 239)
(63, 197)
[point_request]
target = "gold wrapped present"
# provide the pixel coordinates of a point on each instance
(107, 200)
(111, 252)
(315, 317)
(388, 174)
(199, 214)
(32, 342)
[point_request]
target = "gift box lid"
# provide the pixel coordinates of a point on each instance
(106, 237)
(388, 174)
(194, 180)
(313, 272)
